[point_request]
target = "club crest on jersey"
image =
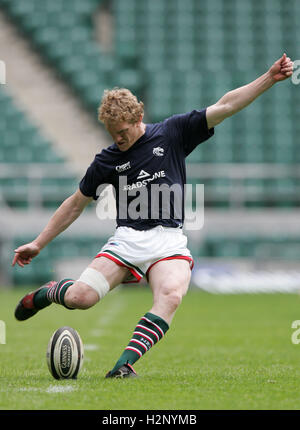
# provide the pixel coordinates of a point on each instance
(158, 151)
(123, 167)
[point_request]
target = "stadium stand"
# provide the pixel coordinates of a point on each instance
(33, 176)
(278, 247)
(178, 56)
(62, 32)
(24, 156)
(44, 267)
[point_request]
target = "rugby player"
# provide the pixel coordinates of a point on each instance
(153, 247)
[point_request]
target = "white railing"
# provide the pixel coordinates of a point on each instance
(243, 170)
(234, 190)
(33, 190)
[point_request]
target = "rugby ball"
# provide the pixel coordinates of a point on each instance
(65, 353)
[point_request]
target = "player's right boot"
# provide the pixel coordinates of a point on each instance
(125, 371)
(26, 308)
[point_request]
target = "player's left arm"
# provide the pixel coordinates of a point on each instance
(236, 100)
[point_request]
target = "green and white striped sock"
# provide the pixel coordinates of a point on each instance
(149, 330)
(55, 294)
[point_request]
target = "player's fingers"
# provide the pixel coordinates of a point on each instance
(20, 252)
(287, 63)
(23, 261)
(26, 260)
(14, 260)
(20, 260)
(23, 253)
(281, 60)
(20, 263)
(287, 70)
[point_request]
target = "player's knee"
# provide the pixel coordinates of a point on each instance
(88, 289)
(171, 295)
(81, 296)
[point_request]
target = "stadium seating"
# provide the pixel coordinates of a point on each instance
(195, 43)
(42, 268)
(62, 32)
(278, 247)
(178, 56)
(23, 153)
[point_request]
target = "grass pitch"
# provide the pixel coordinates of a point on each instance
(221, 352)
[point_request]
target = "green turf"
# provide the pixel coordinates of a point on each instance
(221, 352)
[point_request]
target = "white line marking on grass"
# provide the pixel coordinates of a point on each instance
(90, 347)
(59, 389)
(96, 332)
(27, 389)
(50, 389)
(107, 317)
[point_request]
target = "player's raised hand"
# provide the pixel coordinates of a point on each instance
(25, 253)
(282, 69)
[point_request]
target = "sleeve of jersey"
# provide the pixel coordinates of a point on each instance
(93, 178)
(192, 129)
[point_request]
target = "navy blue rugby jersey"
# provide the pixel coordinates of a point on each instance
(149, 177)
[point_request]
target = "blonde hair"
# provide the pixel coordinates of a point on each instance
(119, 104)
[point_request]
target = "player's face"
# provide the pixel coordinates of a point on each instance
(124, 134)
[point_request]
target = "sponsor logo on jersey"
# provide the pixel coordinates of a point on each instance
(123, 167)
(144, 182)
(158, 151)
(143, 174)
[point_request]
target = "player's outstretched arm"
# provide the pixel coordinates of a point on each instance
(236, 100)
(63, 217)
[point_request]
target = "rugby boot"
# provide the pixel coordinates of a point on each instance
(26, 308)
(125, 371)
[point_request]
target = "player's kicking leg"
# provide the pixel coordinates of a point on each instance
(169, 281)
(101, 276)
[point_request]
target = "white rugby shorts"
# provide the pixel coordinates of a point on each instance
(140, 250)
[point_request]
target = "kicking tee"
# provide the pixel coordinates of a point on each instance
(148, 179)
